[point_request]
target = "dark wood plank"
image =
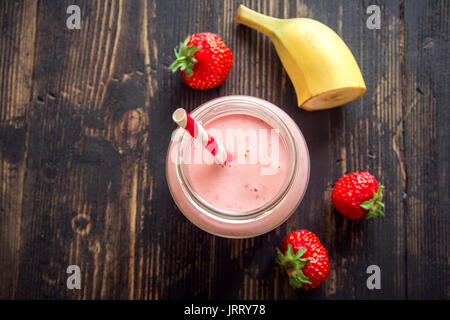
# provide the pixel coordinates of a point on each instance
(88, 140)
(17, 44)
(425, 124)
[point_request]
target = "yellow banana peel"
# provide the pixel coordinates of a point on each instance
(320, 65)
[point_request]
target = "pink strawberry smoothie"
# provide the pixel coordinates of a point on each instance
(263, 185)
(242, 185)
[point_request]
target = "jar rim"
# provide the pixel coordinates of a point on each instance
(245, 103)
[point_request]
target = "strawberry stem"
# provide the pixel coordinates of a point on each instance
(293, 264)
(185, 59)
(374, 205)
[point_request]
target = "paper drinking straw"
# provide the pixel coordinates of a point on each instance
(185, 121)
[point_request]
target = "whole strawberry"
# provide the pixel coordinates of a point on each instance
(304, 259)
(204, 60)
(357, 195)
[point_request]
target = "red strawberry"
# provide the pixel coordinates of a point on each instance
(357, 195)
(304, 259)
(204, 60)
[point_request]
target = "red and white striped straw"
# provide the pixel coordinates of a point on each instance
(185, 121)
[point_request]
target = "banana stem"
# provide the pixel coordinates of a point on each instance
(257, 21)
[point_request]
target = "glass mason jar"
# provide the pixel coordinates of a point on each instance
(261, 219)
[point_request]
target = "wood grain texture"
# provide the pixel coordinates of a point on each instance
(426, 135)
(85, 121)
(17, 51)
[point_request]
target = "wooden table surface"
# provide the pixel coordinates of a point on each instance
(85, 121)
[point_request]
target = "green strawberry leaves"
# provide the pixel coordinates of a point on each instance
(374, 205)
(293, 264)
(184, 58)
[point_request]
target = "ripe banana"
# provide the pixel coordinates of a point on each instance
(320, 65)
